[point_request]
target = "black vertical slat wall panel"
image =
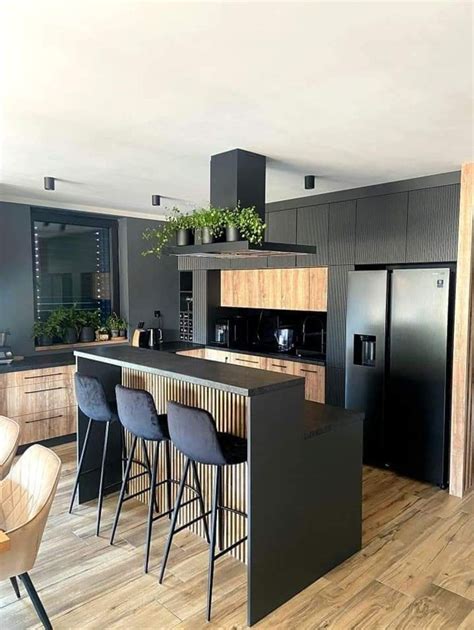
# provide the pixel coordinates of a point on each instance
(312, 226)
(432, 231)
(342, 230)
(336, 317)
(200, 306)
(335, 386)
(281, 226)
(381, 227)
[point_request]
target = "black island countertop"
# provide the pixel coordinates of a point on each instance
(229, 378)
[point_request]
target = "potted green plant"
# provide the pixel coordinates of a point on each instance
(67, 321)
(244, 223)
(177, 225)
(102, 334)
(123, 325)
(113, 324)
(44, 333)
(231, 223)
(90, 322)
(208, 225)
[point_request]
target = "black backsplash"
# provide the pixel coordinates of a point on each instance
(263, 322)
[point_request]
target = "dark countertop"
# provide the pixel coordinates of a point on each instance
(320, 418)
(230, 378)
(283, 356)
(36, 362)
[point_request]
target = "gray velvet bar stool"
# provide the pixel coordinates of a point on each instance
(193, 432)
(93, 403)
(138, 415)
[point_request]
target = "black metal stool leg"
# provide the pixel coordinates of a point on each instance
(102, 475)
(154, 473)
(197, 484)
(40, 611)
(212, 546)
(150, 473)
(14, 582)
(174, 520)
(123, 490)
(220, 514)
(81, 461)
(168, 478)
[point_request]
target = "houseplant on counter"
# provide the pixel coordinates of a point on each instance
(102, 334)
(44, 333)
(67, 323)
(117, 326)
(90, 322)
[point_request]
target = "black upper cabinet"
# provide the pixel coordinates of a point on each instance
(312, 229)
(342, 229)
(281, 226)
(381, 228)
(433, 217)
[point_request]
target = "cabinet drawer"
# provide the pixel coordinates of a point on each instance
(278, 365)
(37, 377)
(47, 424)
(214, 354)
(315, 381)
(44, 396)
(245, 360)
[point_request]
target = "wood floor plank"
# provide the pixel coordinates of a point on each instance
(414, 571)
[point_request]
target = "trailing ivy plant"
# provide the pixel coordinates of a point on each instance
(160, 236)
(250, 224)
(210, 218)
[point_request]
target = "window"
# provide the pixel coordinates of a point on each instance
(74, 260)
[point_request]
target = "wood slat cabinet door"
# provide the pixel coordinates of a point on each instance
(279, 365)
(36, 377)
(315, 380)
(214, 354)
(318, 289)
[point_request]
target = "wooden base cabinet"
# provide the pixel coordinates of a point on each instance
(41, 401)
(314, 375)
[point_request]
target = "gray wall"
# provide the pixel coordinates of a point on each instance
(411, 221)
(146, 283)
(16, 276)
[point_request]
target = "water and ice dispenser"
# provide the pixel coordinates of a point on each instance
(365, 350)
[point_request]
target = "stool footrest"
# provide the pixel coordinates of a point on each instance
(233, 510)
(230, 547)
(194, 520)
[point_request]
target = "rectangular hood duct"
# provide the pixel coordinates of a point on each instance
(238, 177)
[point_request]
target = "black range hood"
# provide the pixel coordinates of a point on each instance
(238, 177)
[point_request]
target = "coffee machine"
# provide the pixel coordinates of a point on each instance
(6, 354)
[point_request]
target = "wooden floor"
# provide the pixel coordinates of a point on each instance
(416, 570)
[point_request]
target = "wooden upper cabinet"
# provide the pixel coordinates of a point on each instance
(297, 289)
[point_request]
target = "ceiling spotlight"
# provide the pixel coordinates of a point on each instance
(309, 182)
(49, 183)
(155, 200)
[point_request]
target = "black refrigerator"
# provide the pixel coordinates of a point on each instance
(398, 364)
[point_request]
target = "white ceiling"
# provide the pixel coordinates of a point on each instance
(123, 99)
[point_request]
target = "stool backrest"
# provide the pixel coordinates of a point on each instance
(137, 412)
(91, 398)
(9, 439)
(193, 432)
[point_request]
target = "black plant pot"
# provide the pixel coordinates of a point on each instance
(87, 334)
(184, 237)
(114, 333)
(70, 335)
(44, 340)
(123, 333)
(232, 234)
(203, 236)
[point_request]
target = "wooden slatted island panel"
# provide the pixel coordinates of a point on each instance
(301, 486)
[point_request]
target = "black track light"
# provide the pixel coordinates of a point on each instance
(49, 183)
(155, 200)
(309, 182)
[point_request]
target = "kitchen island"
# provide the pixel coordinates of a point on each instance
(301, 487)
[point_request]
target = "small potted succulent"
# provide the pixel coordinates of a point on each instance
(44, 333)
(102, 334)
(90, 322)
(113, 324)
(208, 225)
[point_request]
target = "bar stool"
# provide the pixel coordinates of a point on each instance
(193, 432)
(93, 403)
(138, 415)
